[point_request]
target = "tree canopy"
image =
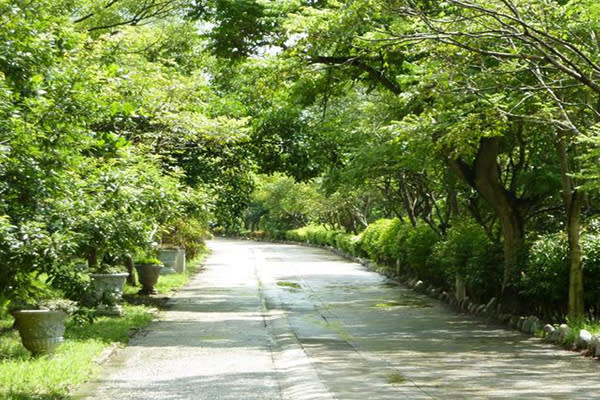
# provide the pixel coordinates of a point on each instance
(479, 119)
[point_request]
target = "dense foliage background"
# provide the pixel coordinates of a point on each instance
(457, 140)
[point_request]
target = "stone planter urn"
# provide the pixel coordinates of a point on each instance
(41, 331)
(169, 257)
(107, 290)
(148, 276)
(109, 286)
(180, 266)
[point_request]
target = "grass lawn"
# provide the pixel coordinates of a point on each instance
(592, 327)
(53, 377)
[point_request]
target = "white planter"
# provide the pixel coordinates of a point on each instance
(41, 331)
(180, 266)
(108, 286)
(169, 259)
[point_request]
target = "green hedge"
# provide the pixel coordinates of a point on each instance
(373, 239)
(419, 251)
(318, 234)
(591, 272)
(545, 278)
(419, 258)
(467, 250)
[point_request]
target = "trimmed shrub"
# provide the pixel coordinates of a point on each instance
(419, 244)
(391, 243)
(348, 243)
(370, 239)
(591, 273)
(468, 251)
(296, 235)
(545, 279)
(318, 234)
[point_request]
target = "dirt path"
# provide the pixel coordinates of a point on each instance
(268, 321)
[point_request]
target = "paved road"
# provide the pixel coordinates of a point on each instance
(270, 321)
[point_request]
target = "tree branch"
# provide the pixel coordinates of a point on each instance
(357, 62)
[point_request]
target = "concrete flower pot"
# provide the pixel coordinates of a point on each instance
(107, 290)
(169, 258)
(148, 276)
(41, 331)
(180, 266)
(108, 286)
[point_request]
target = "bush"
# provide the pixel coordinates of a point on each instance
(545, 280)
(591, 272)
(370, 239)
(187, 233)
(275, 234)
(468, 251)
(296, 235)
(391, 243)
(348, 243)
(418, 248)
(318, 234)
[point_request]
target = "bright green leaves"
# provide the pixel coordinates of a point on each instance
(32, 34)
(120, 202)
(461, 129)
(280, 203)
(590, 160)
(72, 182)
(237, 29)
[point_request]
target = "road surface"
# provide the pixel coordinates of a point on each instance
(276, 321)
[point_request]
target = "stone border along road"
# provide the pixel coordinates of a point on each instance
(277, 321)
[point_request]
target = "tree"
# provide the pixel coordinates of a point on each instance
(553, 44)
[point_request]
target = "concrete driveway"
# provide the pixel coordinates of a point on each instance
(274, 321)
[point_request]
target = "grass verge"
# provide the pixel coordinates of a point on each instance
(51, 377)
(593, 328)
(571, 339)
(54, 377)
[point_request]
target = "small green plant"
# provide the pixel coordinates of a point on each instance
(293, 285)
(396, 378)
(169, 283)
(148, 260)
(105, 268)
(56, 304)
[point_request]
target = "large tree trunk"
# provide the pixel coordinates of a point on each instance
(572, 200)
(483, 176)
(576, 301)
(92, 258)
(513, 242)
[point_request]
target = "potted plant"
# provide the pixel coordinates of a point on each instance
(106, 283)
(148, 269)
(107, 280)
(168, 255)
(42, 325)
